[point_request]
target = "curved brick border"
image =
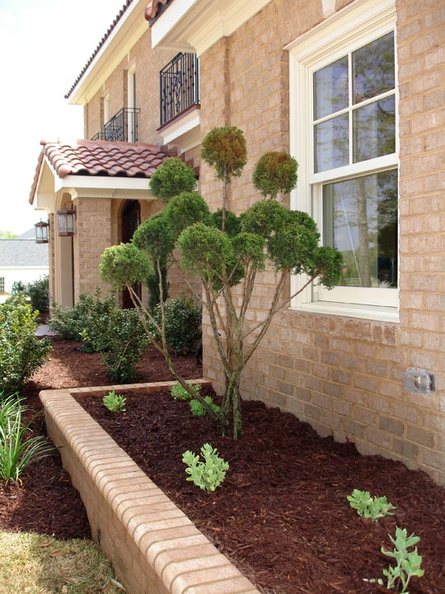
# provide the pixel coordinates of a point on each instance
(153, 546)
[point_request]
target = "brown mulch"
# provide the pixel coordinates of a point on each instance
(281, 514)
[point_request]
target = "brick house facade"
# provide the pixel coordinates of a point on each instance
(341, 368)
(337, 360)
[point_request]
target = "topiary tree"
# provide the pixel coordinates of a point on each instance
(228, 252)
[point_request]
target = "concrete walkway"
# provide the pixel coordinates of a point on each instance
(45, 330)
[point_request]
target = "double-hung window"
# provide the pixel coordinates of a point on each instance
(344, 135)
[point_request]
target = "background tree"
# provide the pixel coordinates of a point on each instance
(228, 252)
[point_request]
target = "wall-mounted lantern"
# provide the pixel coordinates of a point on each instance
(42, 232)
(65, 222)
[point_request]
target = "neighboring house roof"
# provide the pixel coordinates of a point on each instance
(23, 252)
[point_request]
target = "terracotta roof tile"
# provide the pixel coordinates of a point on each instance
(98, 157)
(153, 7)
(101, 158)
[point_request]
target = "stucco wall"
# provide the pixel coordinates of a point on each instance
(344, 375)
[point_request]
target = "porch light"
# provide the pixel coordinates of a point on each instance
(65, 222)
(42, 232)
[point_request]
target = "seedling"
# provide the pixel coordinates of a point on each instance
(180, 393)
(408, 562)
(115, 402)
(370, 507)
(198, 408)
(207, 474)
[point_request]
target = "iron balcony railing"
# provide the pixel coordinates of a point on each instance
(121, 127)
(179, 85)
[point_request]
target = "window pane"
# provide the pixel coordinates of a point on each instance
(374, 130)
(331, 142)
(331, 88)
(360, 220)
(373, 68)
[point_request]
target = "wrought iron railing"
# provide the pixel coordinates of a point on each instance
(179, 83)
(121, 127)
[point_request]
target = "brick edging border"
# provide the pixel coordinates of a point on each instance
(153, 546)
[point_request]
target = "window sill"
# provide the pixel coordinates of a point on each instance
(368, 312)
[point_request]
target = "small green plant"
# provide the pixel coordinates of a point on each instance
(408, 562)
(17, 452)
(115, 402)
(21, 352)
(209, 473)
(370, 507)
(180, 393)
(198, 409)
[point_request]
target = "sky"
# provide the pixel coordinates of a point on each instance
(44, 45)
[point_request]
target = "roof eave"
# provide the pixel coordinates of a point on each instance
(129, 29)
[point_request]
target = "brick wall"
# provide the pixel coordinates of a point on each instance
(344, 375)
(93, 235)
(147, 64)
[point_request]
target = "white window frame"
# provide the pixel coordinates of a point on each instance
(353, 27)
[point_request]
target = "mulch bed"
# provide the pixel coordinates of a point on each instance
(281, 514)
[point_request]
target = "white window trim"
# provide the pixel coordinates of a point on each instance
(342, 33)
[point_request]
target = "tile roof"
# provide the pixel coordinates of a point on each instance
(98, 157)
(153, 7)
(23, 253)
(101, 159)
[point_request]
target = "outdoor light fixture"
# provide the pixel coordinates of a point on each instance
(65, 222)
(42, 232)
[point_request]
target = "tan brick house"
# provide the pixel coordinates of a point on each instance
(355, 91)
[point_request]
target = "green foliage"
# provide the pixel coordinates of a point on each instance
(185, 210)
(275, 172)
(370, 507)
(21, 352)
(226, 252)
(121, 339)
(199, 410)
(232, 223)
(86, 315)
(16, 451)
(225, 150)
(182, 319)
(154, 236)
(408, 562)
(209, 473)
(36, 292)
(114, 402)
(124, 264)
(180, 393)
(172, 178)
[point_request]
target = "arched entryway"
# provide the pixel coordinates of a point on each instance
(130, 221)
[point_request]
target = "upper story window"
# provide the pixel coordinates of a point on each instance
(344, 135)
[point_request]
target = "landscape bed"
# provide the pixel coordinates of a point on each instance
(281, 515)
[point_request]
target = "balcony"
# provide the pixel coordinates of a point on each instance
(121, 127)
(179, 87)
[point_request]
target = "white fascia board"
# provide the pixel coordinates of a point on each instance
(176, 130)
(121, 40)
(84, 186)
(198, 24)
